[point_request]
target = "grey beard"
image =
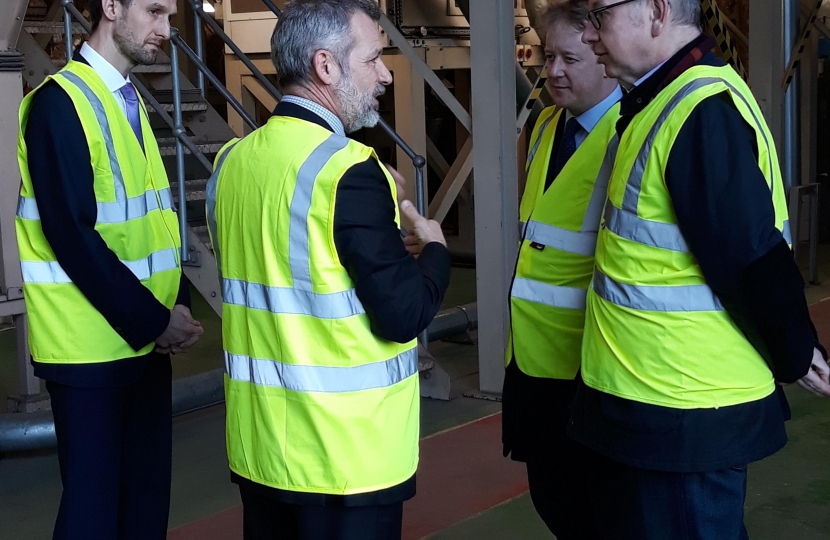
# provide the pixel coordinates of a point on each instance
(357, 109)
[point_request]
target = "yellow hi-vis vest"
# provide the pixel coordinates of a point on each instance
(556, 257)
(655, 332)
(315, 402)
(135, 218)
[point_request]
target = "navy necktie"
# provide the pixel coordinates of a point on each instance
(567, 146)
(133, 115)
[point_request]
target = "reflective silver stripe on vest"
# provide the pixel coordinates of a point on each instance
(210, 207)
(27, 208)
(656, 298)
(291, 301)
(582, 243)
(539, 133)
(635, 177)
(593, 215)
(101, 116)
(327, 379)
(298, 250)
(135, 207)
(123, 208)
(51, 272)
(643, 231)
(549, 295)
(787, 233)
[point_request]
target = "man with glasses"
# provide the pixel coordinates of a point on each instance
(696, 309)
(567, 176)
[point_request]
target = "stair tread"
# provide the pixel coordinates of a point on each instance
(186, 107)
(153, 68)
(167, 147)
(199, 195)
(189, 184)
(49, 27)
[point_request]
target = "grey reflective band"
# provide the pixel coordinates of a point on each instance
(284, 300)
(539, 133)
(631, 196)
(101, 116)
(786, 232)
(122, 209)
(651, 233)
(51, 272)
(210, 207)
(757, 124)
(325, 379)
(134, 207)
(27, 208)
(581, 243)
(549, 295)
(298, 250)
(593, 215)
(684, 298)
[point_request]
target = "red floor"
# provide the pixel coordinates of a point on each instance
(462, 473)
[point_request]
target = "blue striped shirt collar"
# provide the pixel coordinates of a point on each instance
(331, 119)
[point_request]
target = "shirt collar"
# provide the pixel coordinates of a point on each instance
(331, 119)
(111, 76)
(650, 73)
(590, 118)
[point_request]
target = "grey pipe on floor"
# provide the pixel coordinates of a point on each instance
(21, 432)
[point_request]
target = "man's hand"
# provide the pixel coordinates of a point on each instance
(817, 379)
(412, 245)
(400, 182)
(425, 230)
(181, 333)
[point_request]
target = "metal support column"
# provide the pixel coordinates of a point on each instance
(11, 278)
(791, 119)
(765, 50)
(809, 110)
(492, 49)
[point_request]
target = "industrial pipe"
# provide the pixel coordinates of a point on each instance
(36, 431)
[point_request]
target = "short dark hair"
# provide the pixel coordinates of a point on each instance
(96, 11)
(574, 13)
(306, 26)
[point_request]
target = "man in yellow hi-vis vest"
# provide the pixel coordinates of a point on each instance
(99, 249)
(569, 162)
(321, 300)
(696, 310)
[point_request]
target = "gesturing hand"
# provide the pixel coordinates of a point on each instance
(817, 380)
(425, 230)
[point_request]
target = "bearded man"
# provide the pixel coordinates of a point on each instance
(322, 300)
(103, 284)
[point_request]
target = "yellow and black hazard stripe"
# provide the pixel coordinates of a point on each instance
(795, 60)
(537, 89)
(726, 49)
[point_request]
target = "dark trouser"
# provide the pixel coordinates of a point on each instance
(114, 449)
(638, 504)
(265, 518)
(560, 494)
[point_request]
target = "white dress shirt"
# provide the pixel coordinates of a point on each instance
(590, 118)
(112, 77)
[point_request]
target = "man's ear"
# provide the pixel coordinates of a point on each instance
(108, 9)
(326, 67)
(660, 14)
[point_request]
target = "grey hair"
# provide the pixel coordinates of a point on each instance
(686, 12)
(574, 13)
(307, 26)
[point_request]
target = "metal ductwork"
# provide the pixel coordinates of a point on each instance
(523, 85)
(36, 431)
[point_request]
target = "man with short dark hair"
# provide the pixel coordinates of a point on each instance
(569, 162)
(696, 313)
(321, 301)
(107, 303)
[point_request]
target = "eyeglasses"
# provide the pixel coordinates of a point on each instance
(593, 14)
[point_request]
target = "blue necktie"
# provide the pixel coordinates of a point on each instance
(133, 115)
(567, 147)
